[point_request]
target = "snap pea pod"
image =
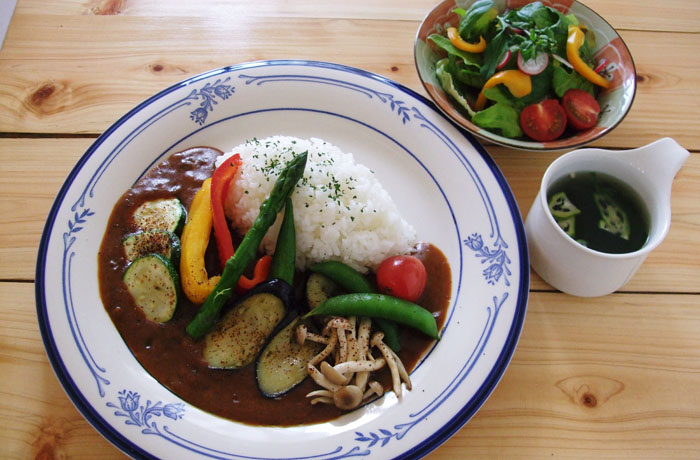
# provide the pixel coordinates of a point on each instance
(380, 306)
(286, 250)
(284, 185)
(343, 275)
(352, 281)
(391, 333)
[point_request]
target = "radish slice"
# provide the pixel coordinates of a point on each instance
(504, 60)
(562, 60)
(535, 65)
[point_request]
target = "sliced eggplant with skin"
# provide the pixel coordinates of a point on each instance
(282, 363)
(242, 332)
(318, 288)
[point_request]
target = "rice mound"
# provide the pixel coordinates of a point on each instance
(341, 211)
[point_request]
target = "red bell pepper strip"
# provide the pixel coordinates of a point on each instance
(220, 183)
(260, 274)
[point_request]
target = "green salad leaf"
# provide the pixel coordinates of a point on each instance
(466, 74)
(564, 80)
(499, 116)
(541, 90)
(448, 85)
(493, 53)
(477, 19)
(541, 87)
(469, 59)
(533, 29)
(503, 115)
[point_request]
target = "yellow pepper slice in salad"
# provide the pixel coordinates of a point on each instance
(574, 41)
(517, 82)
(463, 45)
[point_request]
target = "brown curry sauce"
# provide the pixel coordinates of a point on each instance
(174, 359)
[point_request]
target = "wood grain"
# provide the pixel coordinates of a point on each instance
(579, 388)
(37, 420)
(671, 267)
(28, 196)
(674, 15)
(46, 84)
(591, 376)
(614, 377)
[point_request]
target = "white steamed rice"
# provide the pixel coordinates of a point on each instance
(341, 211)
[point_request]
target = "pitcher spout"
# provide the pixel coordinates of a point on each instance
(659, 160)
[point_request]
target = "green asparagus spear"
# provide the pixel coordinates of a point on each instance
(209, 312)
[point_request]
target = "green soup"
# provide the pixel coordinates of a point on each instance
(599, 211)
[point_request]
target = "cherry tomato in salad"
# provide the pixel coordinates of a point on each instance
(544, 121)
(581, 109)
(402, 276)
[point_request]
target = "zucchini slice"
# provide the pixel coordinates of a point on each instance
(140, 243)
(318, 288)
(153, 283)
(167, 214)
(243, 331)
(282, 363)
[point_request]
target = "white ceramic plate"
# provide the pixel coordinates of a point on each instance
(443, 182)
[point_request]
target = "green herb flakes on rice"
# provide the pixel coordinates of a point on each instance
(341, 211)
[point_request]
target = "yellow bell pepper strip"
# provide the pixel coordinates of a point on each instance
(194, 241)
(573, 44)
(518, 83)
(459, 42)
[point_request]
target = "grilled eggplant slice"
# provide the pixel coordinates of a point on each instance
(282, 364)
(243, 331)
(318, 289)
(241, 334)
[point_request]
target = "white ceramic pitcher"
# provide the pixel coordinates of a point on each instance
(576, 269)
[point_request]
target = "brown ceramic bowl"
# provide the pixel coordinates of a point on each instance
(615, 101)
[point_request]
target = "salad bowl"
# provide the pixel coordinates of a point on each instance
(612, 55)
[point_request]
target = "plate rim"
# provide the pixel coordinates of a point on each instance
(423, 447)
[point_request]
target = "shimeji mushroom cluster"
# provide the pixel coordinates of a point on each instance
(346, 383)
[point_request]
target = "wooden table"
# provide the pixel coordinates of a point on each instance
(611, 377)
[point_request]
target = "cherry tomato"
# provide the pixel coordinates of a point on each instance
(402, 276)
(581, 108)
(544, 121)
